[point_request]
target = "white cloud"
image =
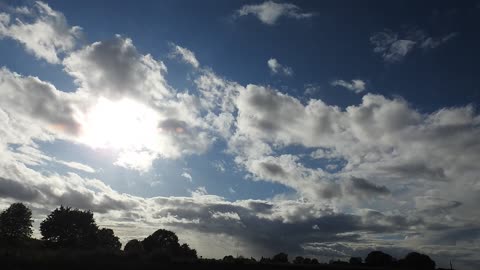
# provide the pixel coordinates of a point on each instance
(277, 68)
(269, 12)
(46, 33)
(356, 86)
(185, 54)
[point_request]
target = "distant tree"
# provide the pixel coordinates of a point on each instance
(228, 259)
(298, 260)
(16, 223)
(338, 262)
(355, 261)
(133, 247)
(265, 260)
(162, 240)
(307, 261)
(106, 239)
(415, 260)
(67, 227)
(280, 258)
(314, 261)
(378, 258)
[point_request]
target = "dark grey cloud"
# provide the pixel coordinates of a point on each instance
(48, 194)
(417, 170)
(273, 169)
(360, 185)
(436, 206)
(38, 100)
(15, 190)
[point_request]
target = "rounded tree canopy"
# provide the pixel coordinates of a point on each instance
(163, 240)
(106, 239)
(67, 227)
(133, 247)
(378, 258)
(16, 223)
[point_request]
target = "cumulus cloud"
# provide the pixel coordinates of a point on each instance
(394, 46)
(277, 68)
(114, 69)
(43, 31)
(269, 12)
(30, 98)
(185, 54)
(356, 86)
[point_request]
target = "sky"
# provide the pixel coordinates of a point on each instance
(318, 128)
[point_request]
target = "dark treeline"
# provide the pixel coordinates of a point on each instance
(72, 239)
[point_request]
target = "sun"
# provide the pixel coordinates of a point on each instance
(122, 125)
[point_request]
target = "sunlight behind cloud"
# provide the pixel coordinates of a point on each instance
(121, 125)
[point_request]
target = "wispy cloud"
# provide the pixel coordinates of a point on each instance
(185, 54)
(269, 12)
(356, 86)
(395, 46)
(45, 34)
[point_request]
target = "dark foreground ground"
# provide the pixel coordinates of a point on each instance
(119, 263)
(94, 259)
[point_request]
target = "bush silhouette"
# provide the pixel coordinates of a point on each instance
(66, 227)
(16, 223)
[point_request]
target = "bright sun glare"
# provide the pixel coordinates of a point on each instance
(121, 125)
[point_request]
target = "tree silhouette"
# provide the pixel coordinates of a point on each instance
(355, 261)
(66, 227)
(16, 223)
(106, 239)
(163, 240)
(378, 258)
(188, 252)
(415, 260)
(133, 247)
(298, 260)
(280, 258)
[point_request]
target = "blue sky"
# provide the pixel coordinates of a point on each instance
(212, 118)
